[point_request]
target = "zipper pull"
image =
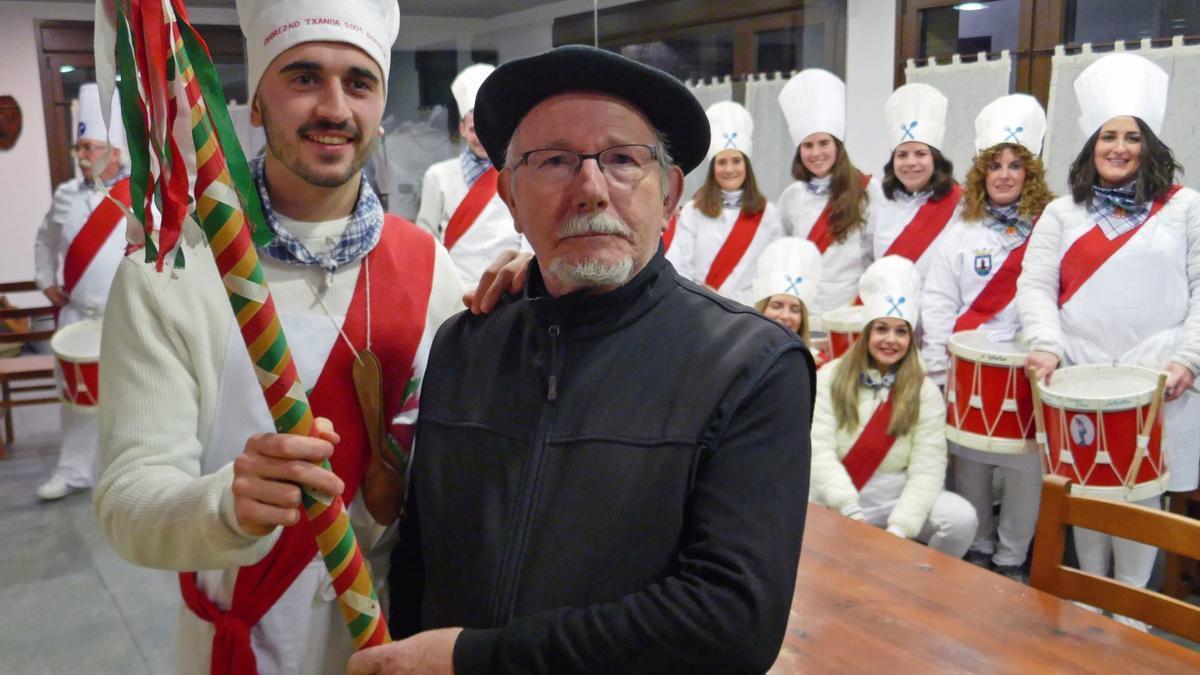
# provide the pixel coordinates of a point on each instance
(552, 385)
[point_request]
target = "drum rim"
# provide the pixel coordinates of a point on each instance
(974, 355)
(833, 321)
(1091, 404)
(997, 445)
(68, 330)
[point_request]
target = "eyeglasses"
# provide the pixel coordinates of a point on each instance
(625, 164)
(87, 148)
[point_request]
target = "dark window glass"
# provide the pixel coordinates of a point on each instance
(788, 49)
(699, 54)
(969, 28)
(1103, 21)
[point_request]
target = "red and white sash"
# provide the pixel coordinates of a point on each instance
(1093, 249)
(735, 246)
(405, 258)
(998, 292)
(925, 226)
(871, 446)
(821, 234)
(669, 235)
(471, 206)
(95, 232)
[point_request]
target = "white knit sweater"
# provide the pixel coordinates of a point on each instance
(920, 454)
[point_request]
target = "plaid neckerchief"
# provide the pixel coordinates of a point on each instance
(731, 199)
(121, 174)
(819, 186)
(1008, 222)
(1117, 209)
(473, 167)
(361, 234)
(876, 382)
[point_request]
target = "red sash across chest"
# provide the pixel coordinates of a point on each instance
(471, 206)
(998, 292)
(94, 233)
(871, 446)
(925, 226)
(1092, 250)
(402, 267)
(735, 246)
(821, 233)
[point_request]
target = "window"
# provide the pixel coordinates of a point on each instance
(969, 28)
(1110, 20)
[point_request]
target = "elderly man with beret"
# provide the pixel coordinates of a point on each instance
(612, 466)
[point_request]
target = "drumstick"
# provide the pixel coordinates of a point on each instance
(1039, 421)
(1147, 428)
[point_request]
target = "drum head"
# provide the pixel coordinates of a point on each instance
(78, 342)
(977, 346)
(848, 319)
(1100, 387)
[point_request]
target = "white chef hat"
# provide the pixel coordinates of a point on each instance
(814, 101)
(916, 112)
(467, 84)
(91, 120)
(789, 266)
(272, 27)
(891, 289)
(1017, 119)
(732, 128)
(1121, 84)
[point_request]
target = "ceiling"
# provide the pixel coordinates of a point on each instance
(471, 9)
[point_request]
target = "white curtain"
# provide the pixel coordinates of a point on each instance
(773, 149)
(968, 87)
(707, 93)
(1181, 131)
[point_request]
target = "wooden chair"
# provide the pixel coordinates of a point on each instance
(1149, 526)
(24, 375)
(1181, 575)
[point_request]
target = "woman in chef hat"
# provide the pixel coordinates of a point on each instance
(1112, 275)
(919, 196)
(727, 225)
(971, 285)
(828, 202)
(789, 274)
(878, 435)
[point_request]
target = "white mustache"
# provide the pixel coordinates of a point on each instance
(593, 223)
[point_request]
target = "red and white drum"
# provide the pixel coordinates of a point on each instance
(989, 404)
(843, 326)
(77, 348)
(1094, 416)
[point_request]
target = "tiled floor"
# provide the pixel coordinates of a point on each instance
(69, 604)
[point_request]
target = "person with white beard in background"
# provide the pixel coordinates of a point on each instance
(1112, 276)
(972, 285)
(459, 204)
(828, 203)
(728, 223)
(83, 236)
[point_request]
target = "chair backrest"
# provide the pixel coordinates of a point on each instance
(16, 325)
(1129, 521)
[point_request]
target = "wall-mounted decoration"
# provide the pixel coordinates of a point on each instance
(10, 122)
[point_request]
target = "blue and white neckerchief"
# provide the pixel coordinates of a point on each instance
(473, 167)
(1008, 222)
(914, 196)
(360, 236)
(120, 175)
(731, 199)
(1117, 210)
(871, 379)
(819, 186)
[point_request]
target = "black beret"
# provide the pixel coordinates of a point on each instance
(516, 87)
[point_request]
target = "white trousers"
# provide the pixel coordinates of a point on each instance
(77, 458)
(1018, 506)
(949, 528)
(1132, 562)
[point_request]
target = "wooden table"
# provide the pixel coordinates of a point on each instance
(869, 602)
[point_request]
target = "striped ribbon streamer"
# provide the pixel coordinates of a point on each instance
(166, 70)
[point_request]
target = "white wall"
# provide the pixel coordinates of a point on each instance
(25, 188)
(870, 69)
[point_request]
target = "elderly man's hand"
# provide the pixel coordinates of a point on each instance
(268, 474)
(430, 652)
(506, 274)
